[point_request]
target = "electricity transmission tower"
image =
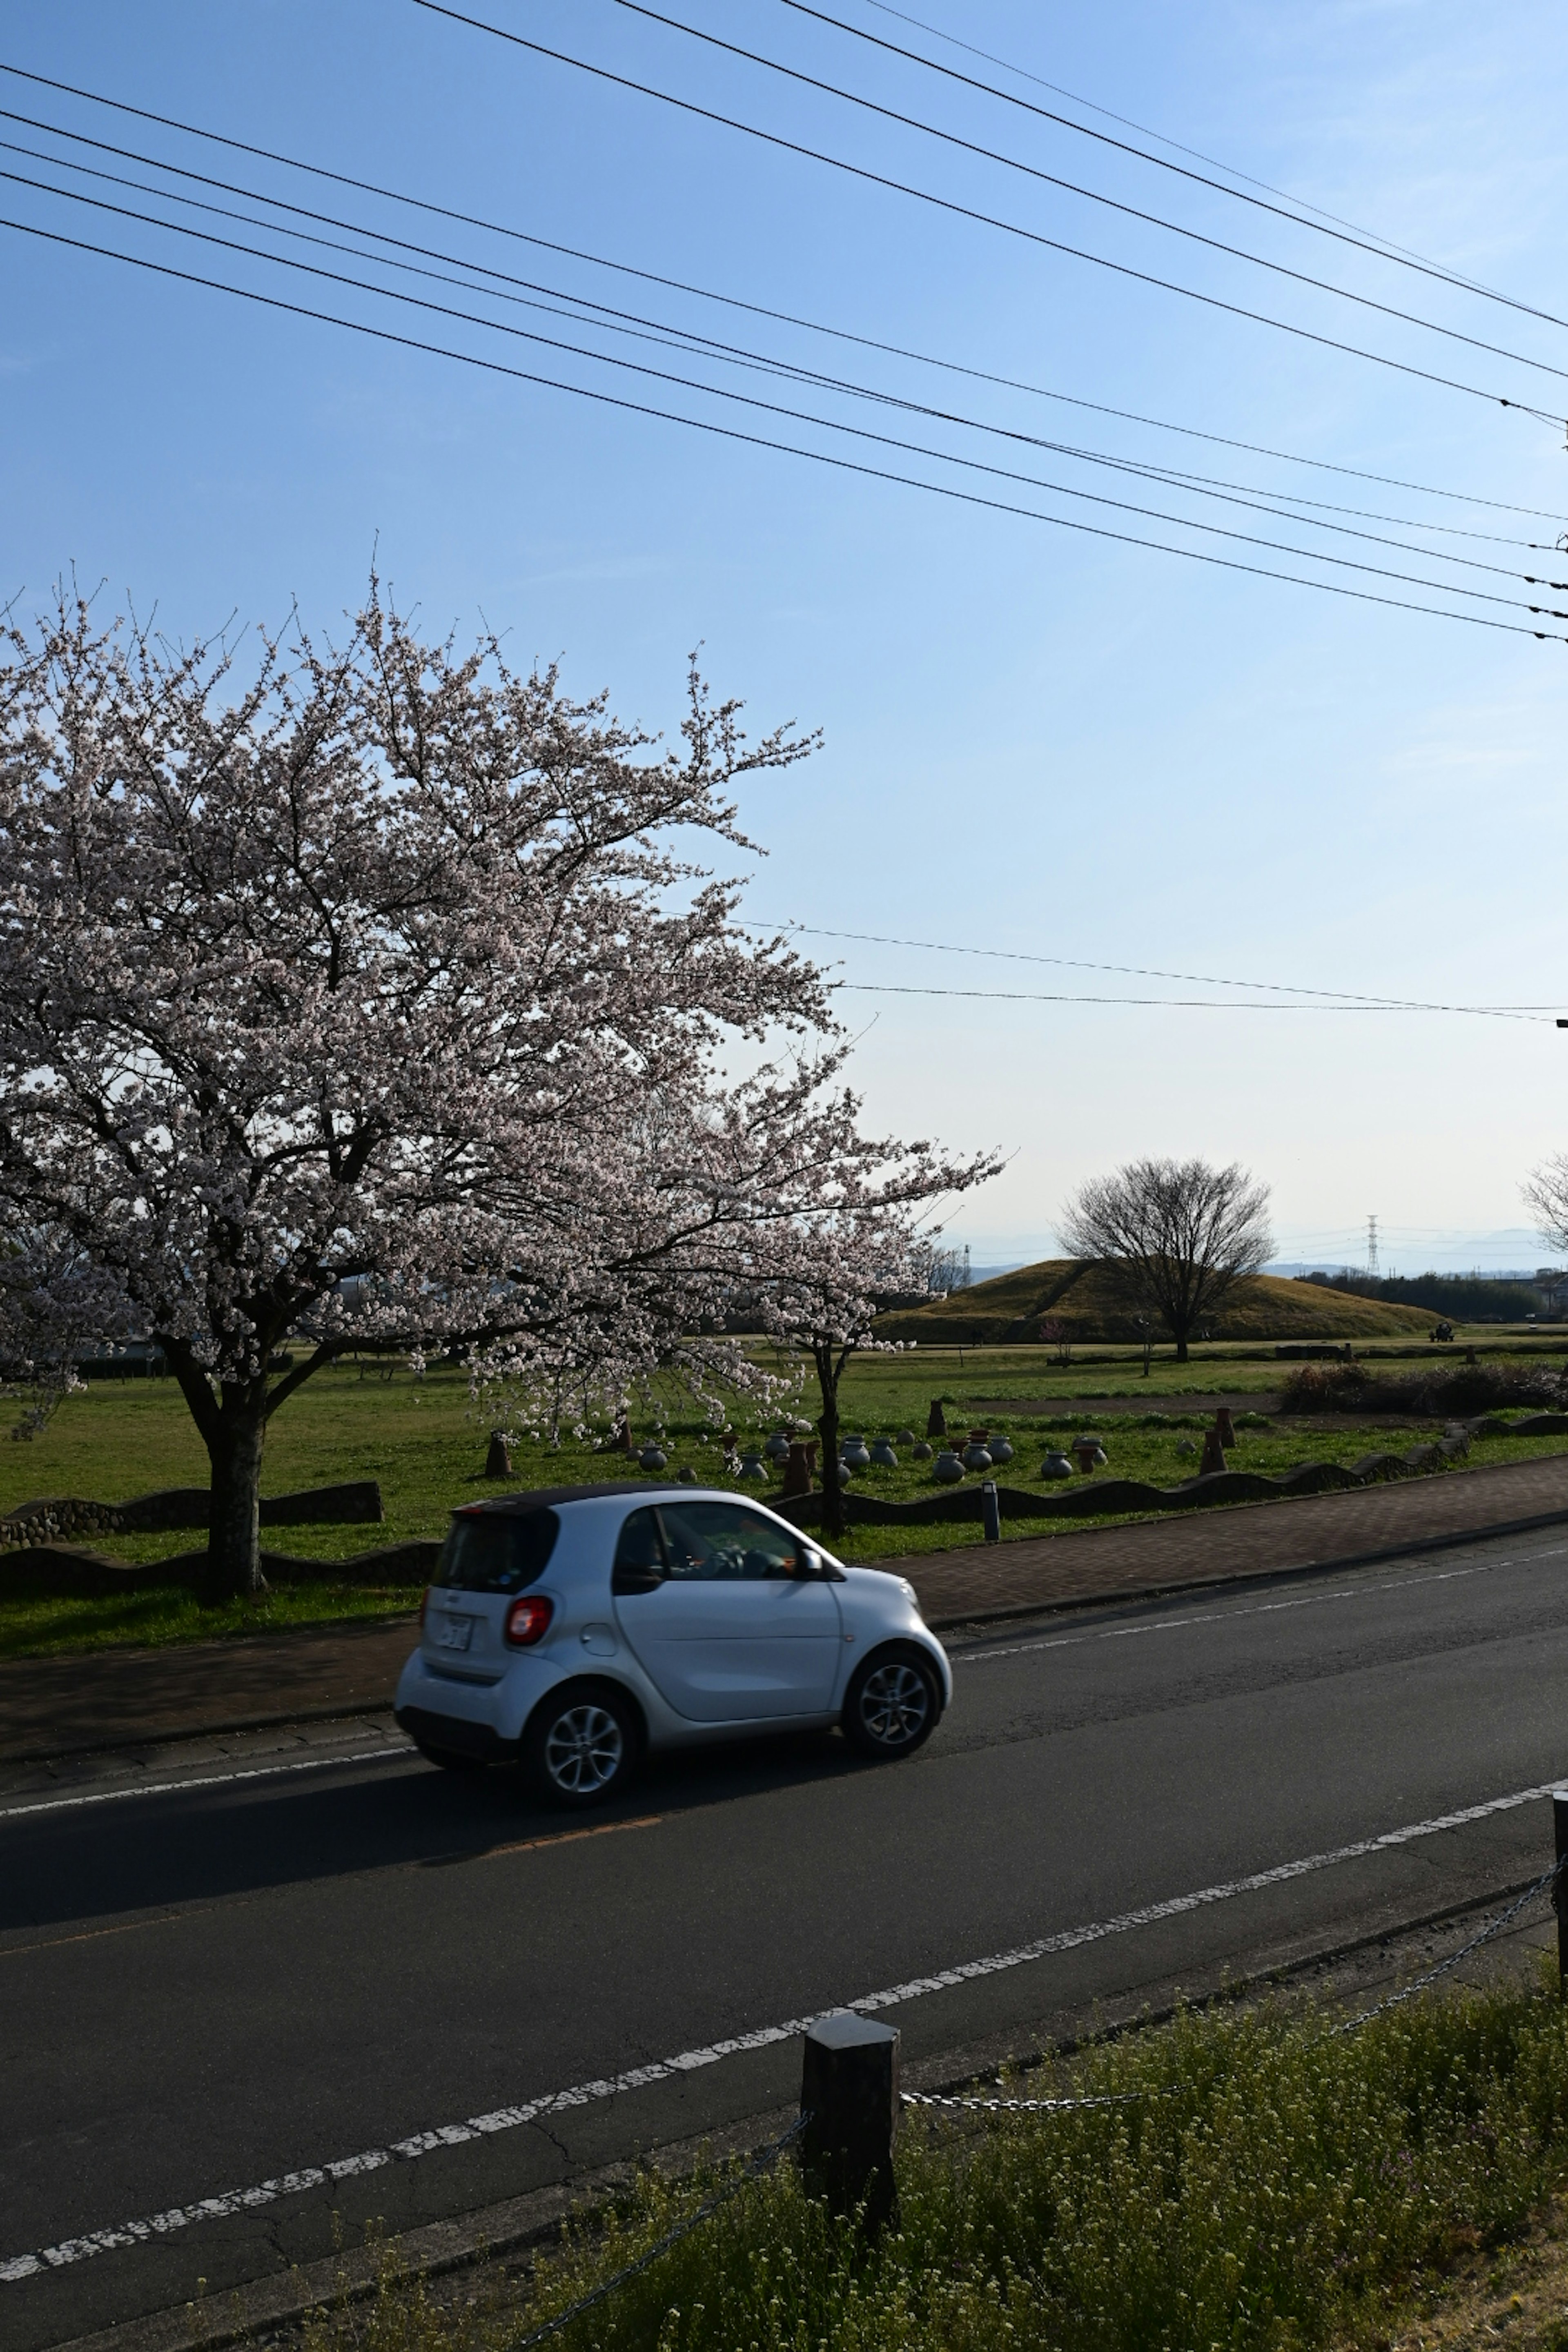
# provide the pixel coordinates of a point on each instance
(1372, 1264)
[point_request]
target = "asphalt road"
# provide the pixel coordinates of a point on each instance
(293, 1984)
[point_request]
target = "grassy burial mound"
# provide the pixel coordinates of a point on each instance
(1090, 1303)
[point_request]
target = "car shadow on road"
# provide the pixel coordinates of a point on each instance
(208, 1844)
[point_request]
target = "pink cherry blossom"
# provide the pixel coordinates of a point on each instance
(374, 995)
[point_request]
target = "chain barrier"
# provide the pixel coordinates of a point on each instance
(1544, 1884)
(1532, 1894)
(1016, 2107)
(755, 2166)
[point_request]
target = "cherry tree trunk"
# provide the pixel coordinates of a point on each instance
(234, 1526)
(832, 1518)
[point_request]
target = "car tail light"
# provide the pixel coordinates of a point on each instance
(528, 1620)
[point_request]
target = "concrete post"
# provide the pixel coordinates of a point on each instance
(849, 2089)
(1560, 1891)
(802, 1462)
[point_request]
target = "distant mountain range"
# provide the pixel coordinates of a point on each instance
(1495, 1252)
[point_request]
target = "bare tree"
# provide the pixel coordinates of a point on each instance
(1178, 1233)
(1547, 1194)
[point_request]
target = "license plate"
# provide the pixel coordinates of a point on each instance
(456, 1633)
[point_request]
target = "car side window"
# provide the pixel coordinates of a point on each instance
(715, 1542)
(639, 1555)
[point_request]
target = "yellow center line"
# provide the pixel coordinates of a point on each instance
(531, 1845)
(569, 1837)
(92, 1934)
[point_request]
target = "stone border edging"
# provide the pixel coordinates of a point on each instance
(1113, 1497)
(354, 1503)
(347, 1713)
(82, 1574)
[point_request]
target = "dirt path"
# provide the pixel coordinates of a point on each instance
(1151, 1401)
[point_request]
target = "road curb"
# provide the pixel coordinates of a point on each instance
(217, 1730)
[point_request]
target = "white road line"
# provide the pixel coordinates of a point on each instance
(206, 1781)
(1257, 1609)
(636, 2078)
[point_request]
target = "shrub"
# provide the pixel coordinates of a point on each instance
(1450, 1388)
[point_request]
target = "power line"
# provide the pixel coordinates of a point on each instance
(1076, 97)
(1172, 1003)
(763, 441)
(806, 416)
(668, 336)
(1074, 187)
(1342, 231)
(708, 347)
(1217, 484)
(655, 277)
(992, 220)
(1350, 997)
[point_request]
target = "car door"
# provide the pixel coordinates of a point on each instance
(725, 1613)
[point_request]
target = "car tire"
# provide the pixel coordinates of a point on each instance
(893, 1704)
(451, 1759)
(582, 1745)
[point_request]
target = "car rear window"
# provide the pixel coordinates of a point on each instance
(495, 1551)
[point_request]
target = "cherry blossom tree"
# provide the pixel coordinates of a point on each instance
(767, 1210)
(374, 997)
(854, 1237)
(48, 1316)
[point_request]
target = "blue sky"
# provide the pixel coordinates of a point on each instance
(1036, 741)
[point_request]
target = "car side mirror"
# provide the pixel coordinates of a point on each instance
(812, 1563)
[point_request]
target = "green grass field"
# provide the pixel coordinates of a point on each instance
(424, 1442)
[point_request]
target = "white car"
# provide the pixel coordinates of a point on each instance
(576, 1628)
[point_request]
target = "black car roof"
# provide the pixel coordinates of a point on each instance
(541, 1498)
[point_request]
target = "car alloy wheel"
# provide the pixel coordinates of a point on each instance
(583, 1746)
(892, 1706)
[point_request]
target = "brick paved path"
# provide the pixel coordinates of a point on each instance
(1246, 1539)
(109, 1697)
(106, 1698)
